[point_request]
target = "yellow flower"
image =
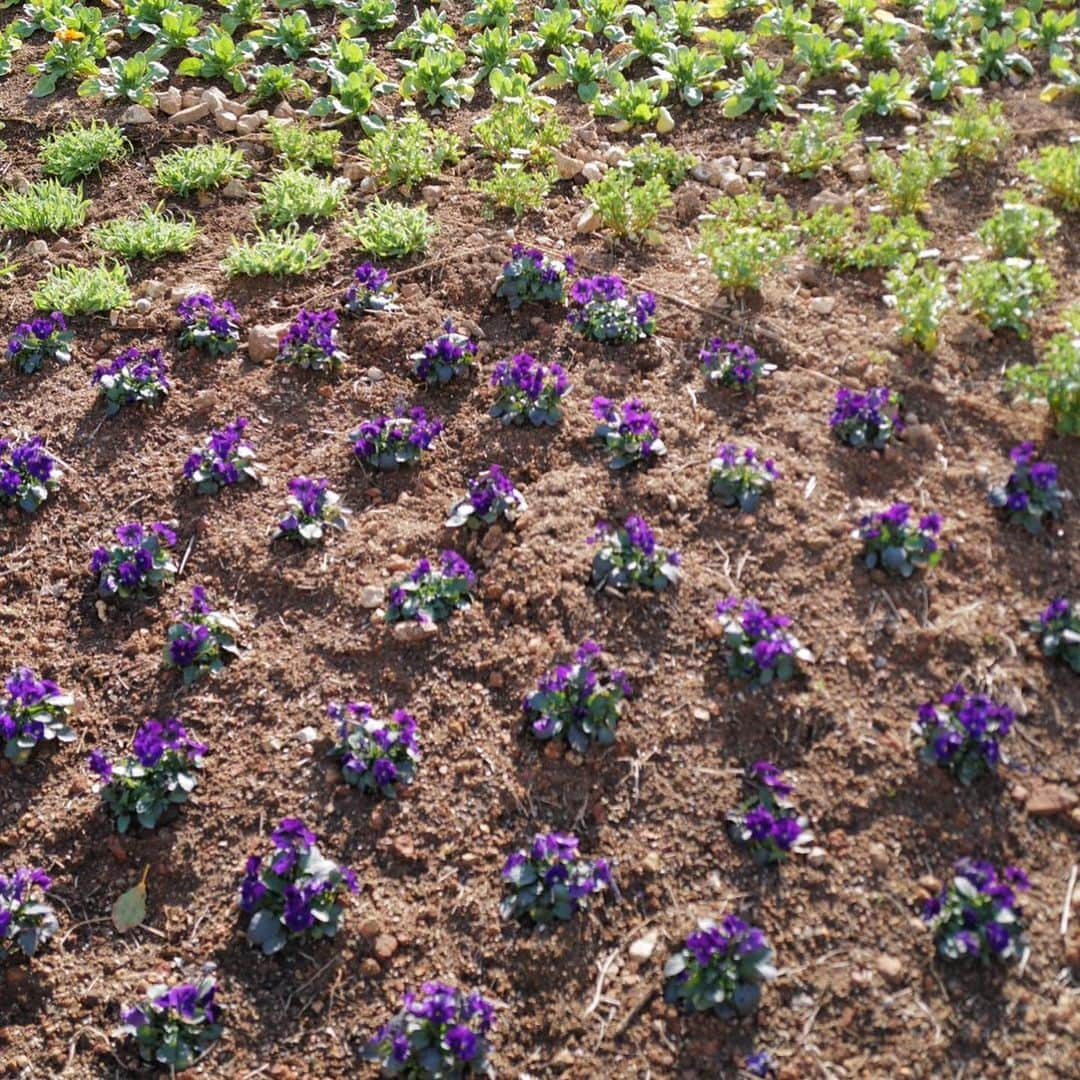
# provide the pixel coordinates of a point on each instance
(67, 34)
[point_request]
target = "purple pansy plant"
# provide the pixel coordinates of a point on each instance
(224, 458)
(32, 711)
(766, 821)
(760, 647)
(375, 755)
(201, 640)
(138, 565)
(393, 442)
(27, 920)
(628, 555)
(740, 477)
(28, 474)
(527, 390)
(135, 377)
(208, 325)
(602, 310)
(491, 497)
(895, 545)
(431, 594)
(43, 338)
(733, 363)
(311, 509)
(174, 1026)
(629, 434)
(444, 358)
(962, 733)
(1030, 496)
(866, 420)
(530, 276)
(310, 342)
(549, 881)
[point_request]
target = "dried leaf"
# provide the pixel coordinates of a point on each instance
(130, 909)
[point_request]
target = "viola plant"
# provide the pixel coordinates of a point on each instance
(1030, 496)
(868, 420)
(202, 640)
(766, 821)
(27, 920)
(898, 548)
(32, 711)
(962, 734)
(439, 1034)
(550, 882)
(527, 390)
(491, 497)
(759, 646)
(376, 756)
(721, 968)
(628, 555)
(1058, 628)
(629, 434)
(174, 1027)
(740, 478)
(602, 310)
(370, 291)
(135, 377)
(392, 442)
(28, 474)
(138, 565)
(531, 277)
(208, 326)
(310, 342)
(312, 509)
(445, 357)
(430, 595)
(46, 337)
(159, 773)
(299, 894)
(976, 915)
(578, 703)
(225, 458)
(731, 363)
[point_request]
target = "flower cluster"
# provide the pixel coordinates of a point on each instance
(550, 881)
(209, 326)
(976, 915)
(159, 773)
(492, 496)
(759, 646)
(202, 640)
(722, 968)
(138, 565)
(899, 549)
(388, 442)
(312, 509)
(28, 473)
(45, 338)
(741, 478)
(731, 363)
(1058, 628)
(962, 734)
(530, 276)
(224, 458)
(311, 342)
(1031, 492)
(298, 895)
(32, 710)
(602, 311)
(375, 755)
(528, 391)
(629, 555)
(864, 420)
(133, 378)
(174, 1027)
(577, 702)
(444, 357)
(428, 595)
(629, 434)
(766, 821)
(440, 1034)
(26, 920)
(371, 291)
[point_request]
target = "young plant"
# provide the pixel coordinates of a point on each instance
(409, 151)
(28, 474)
(83, 290)
(1056, 378)
(1031, 494)
(1057, 172)
(898, 548)
(32, 711)
(974, 131)
(44, 338)
(174, 1027)
(300, 146)
(530, 276)
(311, 342)
(628, 209)
(132, 378)
(294, 194)
(202, 640)
(628, 555)
(741, 478)
(962, 734)
(428, 595)
(138, 566)
(491, 497)
(906, 182)
(731, 363)
(390, 230)
(918, 291)
(72, 54)
(81, 149)
(217, 56)
(1006, 294)
(629, 434)
(515, 188)
(836, 238)
(740, 255)
(528, 391)
(885, 93)
(868, 420)
(550, 882)
(127, 78)
(445, 357)
(392, 442)
(187, 169)
(1058, 628)
(152, 235)
(276, 253)
(602, 310)
(224, 458)
(371, 291)
(650, 158)
(44, 207)
(433, 76)
(766, 821)
(312, 508)
(759, 647)
(376, 756)
(758, 87)
(27, 919)
(820, 138)
(1018, 230)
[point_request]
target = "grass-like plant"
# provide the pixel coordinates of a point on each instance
(515, 188)
(277, 253)
(81, 149)
(152, 235)
(44, 207)
(300, 145)
(391, 230)
(83, 290)
(294, 194)
(198, 168)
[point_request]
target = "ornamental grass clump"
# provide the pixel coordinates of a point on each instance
(311, 342)
(740, 478)
(759, 646)
(527, 390)
(440, 1034)
(602, 310)
(530, 276)
(766, 821)
(1030, 496)
(28, 474)
(491, 497)
(731, 363)
(868, 420)
(578, 703)
(32, 711)
(138, 565)
(370, 291)
(27, 921)
(550, 882)
(962, 734)
(628, 555)
(208, 325)
(392, 442)
(298, 896)
(202, 640)
(628, 433)
(1058, 628)
(312, 509)
(225, 458)
(43, 338)
(898, 548)
(976, 915)
(160, 772)
(445, 357)
(430, 595)
(174, 1027)
(721, 968)
(376, 756)
(135, 377)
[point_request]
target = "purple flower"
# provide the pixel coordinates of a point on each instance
(101, 765)
(461, 1042)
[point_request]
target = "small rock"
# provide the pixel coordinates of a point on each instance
(1049, 799)
(891, 968)
(828, 198)
(410, 632)
(214, 99)
(816, 856)
(246, 125)
(37, 249)
(205, 401)
(568, 167)
(588, 221)
(370, 966)
(809, 274)
(285, 111)
(263, 341)
(354, 171)
(375, 374)
(235, 189)
(385, 946)
(367, 185)
(225, 120)
(186, 289)
(823, 305)
(142, 305)
(734, 184)
(921, 437)
(650, 863)
(431, 194)
(858, 171)
(170, 101)
(191, 114)
(592, 170)
(371, 596)
(879, 857)
(136, 114)
(643, 948)
(306, 735)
